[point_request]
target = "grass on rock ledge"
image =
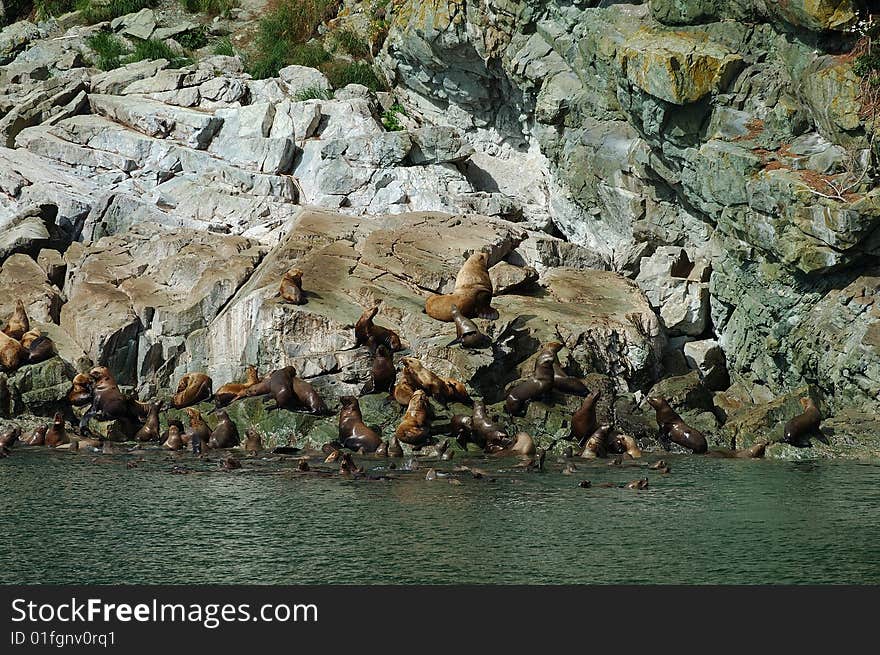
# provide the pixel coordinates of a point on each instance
(113, 53)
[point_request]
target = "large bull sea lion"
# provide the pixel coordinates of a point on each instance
(538, 384)
(192, 389)
(472, 294)
(354, 434)
(231, 390)
(798, 430)
(673, 428)
(415, 427)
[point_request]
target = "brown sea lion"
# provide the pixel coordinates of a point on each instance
(415, 427)
(39, 347)
(150, 429)
(291, 287)
(80, 393)
(595, 444)
(354, 434)
(278, 384)
(382, 371)
(254, 441)
(225, 434)
(12, 354)
(461, 428)
(174, 440)
(638, 484)
(10, 435)
(307, 397)
(523, 446)
(487, 434)
(19, 323)
(176, 423)
(108, 401)
(472, 294)
(566, 383)
(798, 430)
(192, 389)
(584, 421)
(754, 452)
(394, 447)
(367, 333)
(57, 435)
(38, 436)
(624, 443)
(231, 390)
(466, 332)
(198, 433)
(402, 392)
(443, 390)
(538, 384)
(673, 428)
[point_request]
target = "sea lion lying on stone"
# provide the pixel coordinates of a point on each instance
(472, 294)
(108, 401)
(538, 384)
(565, 383)
(308, 398)
(291, 287)
(225, 434)
(192, 389)
(523, 446)
(583, 421)
(39, 347)
(12, 354)
(461, 427)
(150, 429)
(486, 433)
(278, 384)
(80, 393)
(674, 429)
(19, 323)
(416, 376)
(415, 427)
(367, 333)
(354, 434)
(382, 370)
(798, 430)
(57, 435)
(38, 436)
(466, 332)
(231, 390)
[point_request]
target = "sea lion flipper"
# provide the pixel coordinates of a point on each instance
(453, 342)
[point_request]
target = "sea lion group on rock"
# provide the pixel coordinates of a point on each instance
(20, 345)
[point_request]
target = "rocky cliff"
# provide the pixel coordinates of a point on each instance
(690, 181)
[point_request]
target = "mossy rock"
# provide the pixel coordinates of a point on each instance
(765, 422)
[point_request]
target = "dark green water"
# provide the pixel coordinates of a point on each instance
(75, 518)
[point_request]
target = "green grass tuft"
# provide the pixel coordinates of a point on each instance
(313, 93)
(341, 74)
(224, 46)
(193, 39)
(93, 13)
(109, 49)
(352, 43)
(390, 120)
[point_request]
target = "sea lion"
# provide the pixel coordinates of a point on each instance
(754, 452)
(198, 433)
(150, 429)
(638, 484)
(291, 287)
(57, 435)
(466, 332)
(19, 323)
(367, 333)
(174, 440)
(254, 441)
(192, 389)
(382, 371)
(472, 294)
(394, 447)
(566, 383)
(10, 435)
(415, 427)
(308, 397)
(486, 432)
(176, 423)
(595, 444)
(354, 434)
(382, 450)
(584, 421)
(402, 392)
(12, 354)
(225, 434)
(108, 401)
(231, 390)
(229, 463)
(38, 436)
(461, 427)
(443, 390)
(538, 384)
(39, 347)
(278, 384)
(798, 430)
(624, 443)
(80, 393)
(523, 446)
(674, 429)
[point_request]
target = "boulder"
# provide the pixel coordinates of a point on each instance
(677, 288)
(22, 278)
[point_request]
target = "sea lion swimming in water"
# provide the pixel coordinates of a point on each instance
(57, 435)
(291, 287)
(39, 347)
(80, 393)
(624, 443)
(538, 384)
(754, 452)
(673, 428)
(231, 390)
(12, 354)
(382, 371)
(415, 427)
(150, 429)
(798, 430)
(19, 323)
(394, 447)
(367, 333)
(225, 434)
(472, 294)
(192, 389)
(584, 421)
(354, 434)
(466, 332)
(254, 441)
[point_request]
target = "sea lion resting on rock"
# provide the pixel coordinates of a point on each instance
(192, 389)
(583, 421)
(539, 384)
(466, 332)
(12, 354)
(225, 435)
(595, 444)
(38, 436)
(19, 323)
(523, 446)
(443, 390)
(10, 435)
(487, 434)
(415, 427)
(472, 294)
(198, 434)
(150, 429)
(674, 429)
(354, 434)
(57, 435)
(291, 287)
(307, 397)
(231, 390)
(80, 393)
(289, 391)
(797, 431)
(39, 347)
(108, 402)
(566, 383)
(367, 333)
(382, 371)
